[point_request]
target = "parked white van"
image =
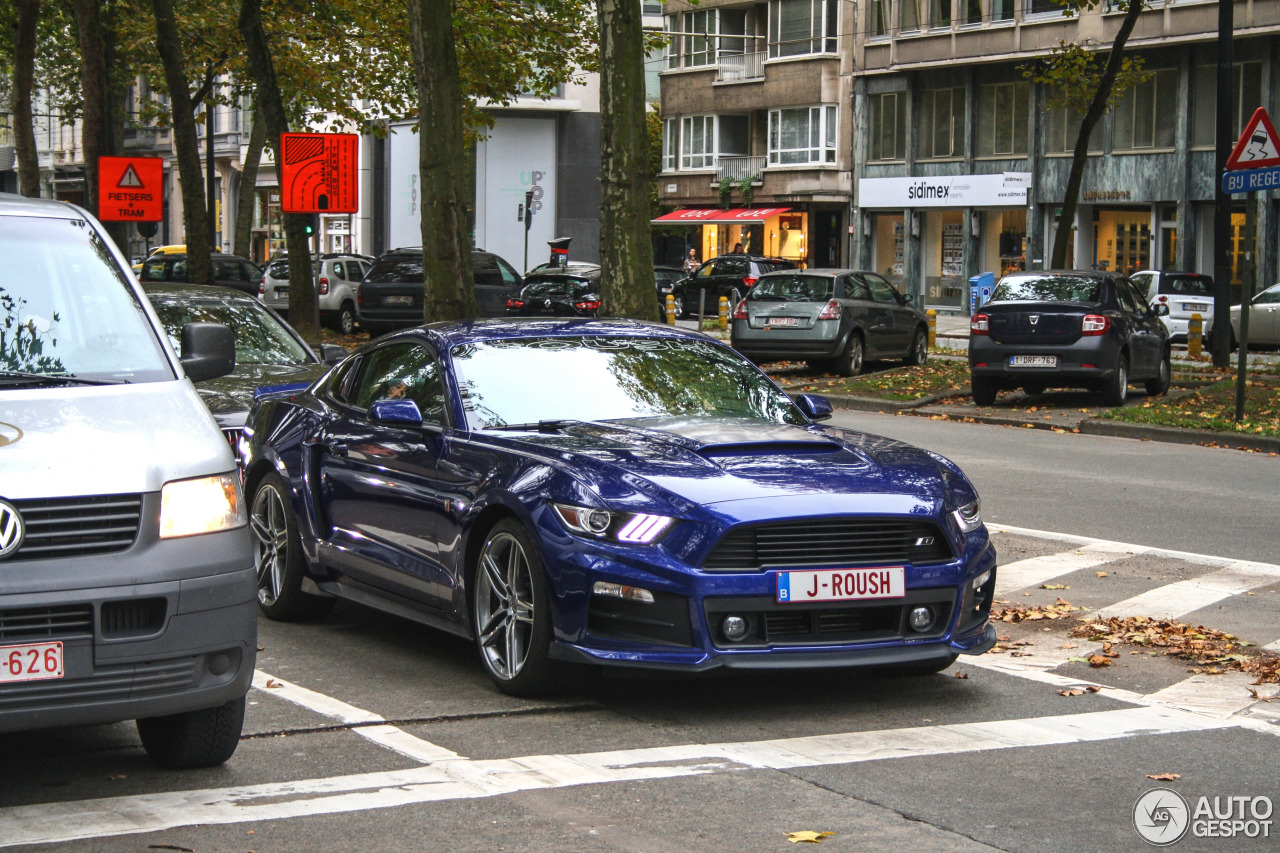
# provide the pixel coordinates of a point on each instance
(127, 582)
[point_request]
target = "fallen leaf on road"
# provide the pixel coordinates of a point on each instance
(1093, 688)
(170, 847)
(1003, 639)
(1165, 777)
(273, 684)
(1072, 691)
(1101, 574)
(1054, 586)
(961, 675)
(808, 836)
(1068, 646)
(1099, 661)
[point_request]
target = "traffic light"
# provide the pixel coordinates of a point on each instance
(313, 224)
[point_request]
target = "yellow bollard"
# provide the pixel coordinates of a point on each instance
(671, 310)
(724, 313)
(933, 327)
(1195, 336)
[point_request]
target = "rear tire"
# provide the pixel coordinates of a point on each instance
(849, 362)
(204, 738)
(1117, 387)
(983, 390)
(919, 352)
(1160, 384)
(344, 322)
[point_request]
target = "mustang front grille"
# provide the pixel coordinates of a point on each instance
(829, 542)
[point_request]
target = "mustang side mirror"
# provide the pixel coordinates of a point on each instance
(396, 412)
(208, 351)
(815, 407)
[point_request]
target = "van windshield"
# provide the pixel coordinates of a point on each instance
(66, 308)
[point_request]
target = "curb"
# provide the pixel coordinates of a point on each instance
(1142, 432)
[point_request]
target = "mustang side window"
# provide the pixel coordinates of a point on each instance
(403, 372)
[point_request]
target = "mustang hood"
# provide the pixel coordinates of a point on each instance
(699, 462)
(113, 439)
(233, 393)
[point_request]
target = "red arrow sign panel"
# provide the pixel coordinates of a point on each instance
(319, 172)
(130, 189)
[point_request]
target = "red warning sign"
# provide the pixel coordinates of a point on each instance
(130, 189)
(320, 173)
(1259, 147)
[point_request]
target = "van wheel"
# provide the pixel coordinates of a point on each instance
(344, 322)
(849, 363)
(983, 390)
(1117, 387)
(1160, 383)
(203, 738)
(279, 555)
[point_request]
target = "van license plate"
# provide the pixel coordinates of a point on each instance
(1033, 361)
(30, 662)
(841, 585)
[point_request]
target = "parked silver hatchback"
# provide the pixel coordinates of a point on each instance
(338, 277)
(127, 581)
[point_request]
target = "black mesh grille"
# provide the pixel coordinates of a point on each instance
(834, 541)
(132, 618)
(76, 527)
(46, 623)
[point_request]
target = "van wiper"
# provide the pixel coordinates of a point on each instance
(20, 377)
(540, 426)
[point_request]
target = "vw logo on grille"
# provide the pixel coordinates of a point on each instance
(11, 529)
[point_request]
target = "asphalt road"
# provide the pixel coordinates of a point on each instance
(368, 733)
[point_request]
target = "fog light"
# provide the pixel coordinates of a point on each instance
(734, 627)
(618, 590)
(921, 618)
(981, 579)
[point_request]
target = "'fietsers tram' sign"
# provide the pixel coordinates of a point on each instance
(1004, 190)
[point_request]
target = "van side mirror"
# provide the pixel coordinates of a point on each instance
(208, 351)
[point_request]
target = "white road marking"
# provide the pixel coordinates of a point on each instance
(470, 779)
(1071, 538)
(1037, 570)
(1176, 599)
(1217, 695)
(388, 736)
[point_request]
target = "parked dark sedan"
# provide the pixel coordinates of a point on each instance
(391, 294)
(831, 319)
(547, 294)
(268, 350)
(231, 271)
(664, 282)
(612, 493)
(1068, 328)
(730, 275)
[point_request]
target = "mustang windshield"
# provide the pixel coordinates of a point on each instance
(529, 380)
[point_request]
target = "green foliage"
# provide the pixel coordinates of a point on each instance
(1212, 408)
(21, 347)
(1072, 75)
(747, 189)
(725, 191)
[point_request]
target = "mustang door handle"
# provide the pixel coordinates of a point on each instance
(331, 449)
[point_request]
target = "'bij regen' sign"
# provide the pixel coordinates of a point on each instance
(1003, 190)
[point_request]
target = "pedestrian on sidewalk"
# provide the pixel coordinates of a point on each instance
(691, 262)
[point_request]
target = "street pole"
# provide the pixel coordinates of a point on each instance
(208, 170)
(528, 223)
(1222, 200)
(1246, 296)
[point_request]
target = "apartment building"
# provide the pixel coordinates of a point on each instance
(955, 165)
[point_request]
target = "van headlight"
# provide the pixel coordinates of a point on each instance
(203, 505)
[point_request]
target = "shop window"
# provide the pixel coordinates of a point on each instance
(940, 14)
(1122, 240)
(888, 248)
(698, 141)
(1003, 241)
(1003, 111)
(909, 15)
(879, 23)
(797, 27)
(1142, 113)
(940, 123)
(805, 135)
(670, 139)
(1246, 93)
(888, 132)
(943, 245)
(699, 38)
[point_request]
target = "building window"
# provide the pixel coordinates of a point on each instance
(888, 126)
(1246, 91)
(1044, 7)
(940, 14)
(879, 23)
(1002, 10)
(1003, 113)
(1142, 113)
(699, 38)
(671, 25)
(972, 11)
(940, 123)
(1062, 126)
(698, 137)
(652, 7)
(670, 140)
(909, 15)
(805, 135)
(798, 27)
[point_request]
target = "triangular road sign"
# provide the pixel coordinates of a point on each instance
(130, 178)
(1259, 146)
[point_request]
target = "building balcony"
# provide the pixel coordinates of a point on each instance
(736, 168)
(740, 68)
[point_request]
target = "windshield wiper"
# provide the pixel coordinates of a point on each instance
(539, 426)
(57, 377)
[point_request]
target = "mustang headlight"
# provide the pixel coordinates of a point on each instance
(637, 527)
(969, 517)
(204, 505)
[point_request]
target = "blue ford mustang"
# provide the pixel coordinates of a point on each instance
(610, 493)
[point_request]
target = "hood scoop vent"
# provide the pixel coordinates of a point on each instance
(769, 448)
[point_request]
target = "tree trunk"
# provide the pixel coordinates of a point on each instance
(626, 246)
(248, 186)
(195, 216)
(95, 133)
(1097, 109)
(446, 246)
(302, 291)
(24, 134)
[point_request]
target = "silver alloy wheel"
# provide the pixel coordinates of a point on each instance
(271, 531)
(346, 320)
(504, 605)
(920, 349)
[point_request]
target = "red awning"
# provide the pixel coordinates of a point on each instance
(714, 215)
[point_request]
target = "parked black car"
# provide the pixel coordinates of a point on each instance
(730, 275)
(549, 294)
(228, 271)
(664, 281)
(831, 319)
(391, 294)
(1068, 328)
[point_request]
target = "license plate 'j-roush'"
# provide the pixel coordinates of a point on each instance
(841, 585)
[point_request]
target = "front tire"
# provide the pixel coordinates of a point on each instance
(279, 556)
(511, 613)
(983, 390)
(204, 738)
(1117, 387)
(344, 322)
(1160, 384)
(919, 352)
(849, 363)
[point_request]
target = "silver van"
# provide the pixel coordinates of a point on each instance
(127, 581)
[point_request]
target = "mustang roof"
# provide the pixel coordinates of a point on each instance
(471, 331)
